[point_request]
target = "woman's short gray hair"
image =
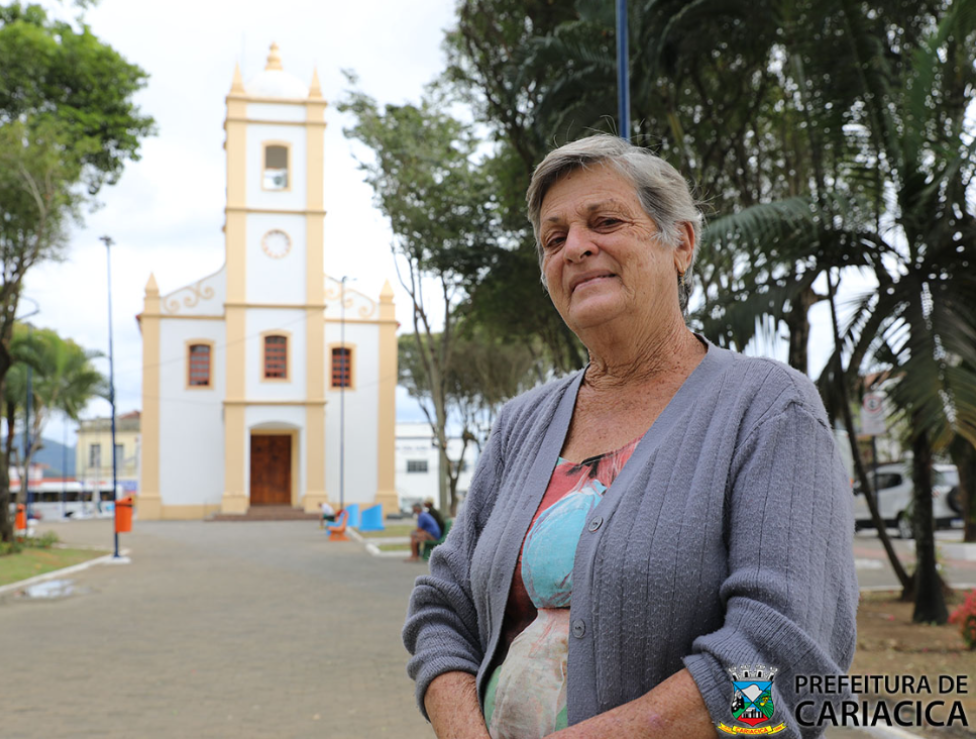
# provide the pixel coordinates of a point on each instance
(663, 192)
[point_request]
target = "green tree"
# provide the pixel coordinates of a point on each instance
(63, 380)
(426, 181)
(67, 127)
(481, 374)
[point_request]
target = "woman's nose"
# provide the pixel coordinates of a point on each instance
(579, 244)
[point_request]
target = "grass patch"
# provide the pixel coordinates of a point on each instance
(400, 529)
(32, 562)
(394, 547)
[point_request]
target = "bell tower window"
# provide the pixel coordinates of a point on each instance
(275, 357)
(276, 160)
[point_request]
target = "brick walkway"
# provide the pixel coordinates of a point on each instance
(216, 630)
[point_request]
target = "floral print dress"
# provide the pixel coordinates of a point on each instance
(526, 695)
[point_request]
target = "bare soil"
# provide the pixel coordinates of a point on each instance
(889, 643)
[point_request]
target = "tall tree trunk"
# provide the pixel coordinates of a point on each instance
(6, 525)
(798, 323)
(930, 604)
(964, 457)
(859, 469)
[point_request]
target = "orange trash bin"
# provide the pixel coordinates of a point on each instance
(20, 522)
(123, 515)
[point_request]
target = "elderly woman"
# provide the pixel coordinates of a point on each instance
(653, 546)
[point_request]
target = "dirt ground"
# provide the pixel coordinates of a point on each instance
(888, 643)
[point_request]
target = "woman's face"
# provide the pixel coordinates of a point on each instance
(602, 258)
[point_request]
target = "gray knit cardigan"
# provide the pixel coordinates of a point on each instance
(726, 540)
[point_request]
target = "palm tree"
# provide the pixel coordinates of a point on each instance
(63, 381)
(899, 204)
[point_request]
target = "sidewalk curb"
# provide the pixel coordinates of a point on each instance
(107, 559)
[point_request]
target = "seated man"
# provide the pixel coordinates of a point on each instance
(427, 530)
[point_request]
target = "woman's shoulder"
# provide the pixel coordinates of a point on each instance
(769, 386)
(522, 411)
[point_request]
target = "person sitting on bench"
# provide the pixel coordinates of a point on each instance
(427, 530)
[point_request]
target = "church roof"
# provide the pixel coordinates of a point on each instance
(274, 81)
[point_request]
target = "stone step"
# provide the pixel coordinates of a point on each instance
(267, 513)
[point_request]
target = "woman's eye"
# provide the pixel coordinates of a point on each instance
(554, 241)
(607, 222)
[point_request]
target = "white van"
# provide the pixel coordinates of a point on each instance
(894, 490)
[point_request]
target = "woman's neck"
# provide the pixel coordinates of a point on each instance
(674, 351)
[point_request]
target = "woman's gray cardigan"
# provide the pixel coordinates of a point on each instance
(725, 541)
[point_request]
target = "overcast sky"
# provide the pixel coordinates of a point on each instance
(166, 213)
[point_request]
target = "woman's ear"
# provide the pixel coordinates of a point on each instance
(685, 250)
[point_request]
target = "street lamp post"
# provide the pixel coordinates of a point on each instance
(107, 240)
(623, 71)
(342, 389)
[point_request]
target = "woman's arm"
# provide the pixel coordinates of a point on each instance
(452, 705)
(673, 709)
(789, 595)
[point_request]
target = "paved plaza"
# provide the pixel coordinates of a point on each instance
(228, 630)
(214, 630)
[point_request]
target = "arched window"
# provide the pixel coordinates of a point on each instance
(342, 367)
(275, 167)
(199, 364)
(275, 357)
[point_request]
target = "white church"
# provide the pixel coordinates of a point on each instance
(248, 373)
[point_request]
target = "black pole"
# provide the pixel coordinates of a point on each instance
(25, 483)
(623, 72)
(342, 397)
(64, 470)
(111, 387)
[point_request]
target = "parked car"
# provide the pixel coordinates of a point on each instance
(894, 490)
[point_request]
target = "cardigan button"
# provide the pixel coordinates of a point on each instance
(579, 628)
(595, 523)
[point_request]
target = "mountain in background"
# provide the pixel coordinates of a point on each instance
(52, 456)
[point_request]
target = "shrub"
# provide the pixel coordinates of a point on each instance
(965, 616)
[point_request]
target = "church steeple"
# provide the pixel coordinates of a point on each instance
(274, 59)
(237, 85)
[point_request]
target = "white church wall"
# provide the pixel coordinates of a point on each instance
(277, 418)
(204, 297)
(274, 112)
(271, 280)
(291, 322)
(361, 414)
(191, 431)
(294, 197)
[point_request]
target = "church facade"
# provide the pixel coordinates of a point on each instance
(268, 382)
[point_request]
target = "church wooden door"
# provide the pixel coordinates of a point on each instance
(270, 470)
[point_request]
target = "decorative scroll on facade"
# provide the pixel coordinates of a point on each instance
(191, 296)
(367, 306)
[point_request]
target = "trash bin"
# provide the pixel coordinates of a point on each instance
(20, 522)
(123, 515)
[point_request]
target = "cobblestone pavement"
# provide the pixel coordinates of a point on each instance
(215, 630)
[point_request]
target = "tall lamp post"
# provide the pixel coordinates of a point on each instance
(107, 240)
(342, 388)
(25, 480)
(623, 71)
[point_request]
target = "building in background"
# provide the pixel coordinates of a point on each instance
(243, 370)
(418, 463)
(93, 452)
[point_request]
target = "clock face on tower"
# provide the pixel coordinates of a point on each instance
(276, 244)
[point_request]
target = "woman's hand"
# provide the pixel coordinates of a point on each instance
(673, 709)
(452, 705)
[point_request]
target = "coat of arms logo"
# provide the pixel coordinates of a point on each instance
(752, 700)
